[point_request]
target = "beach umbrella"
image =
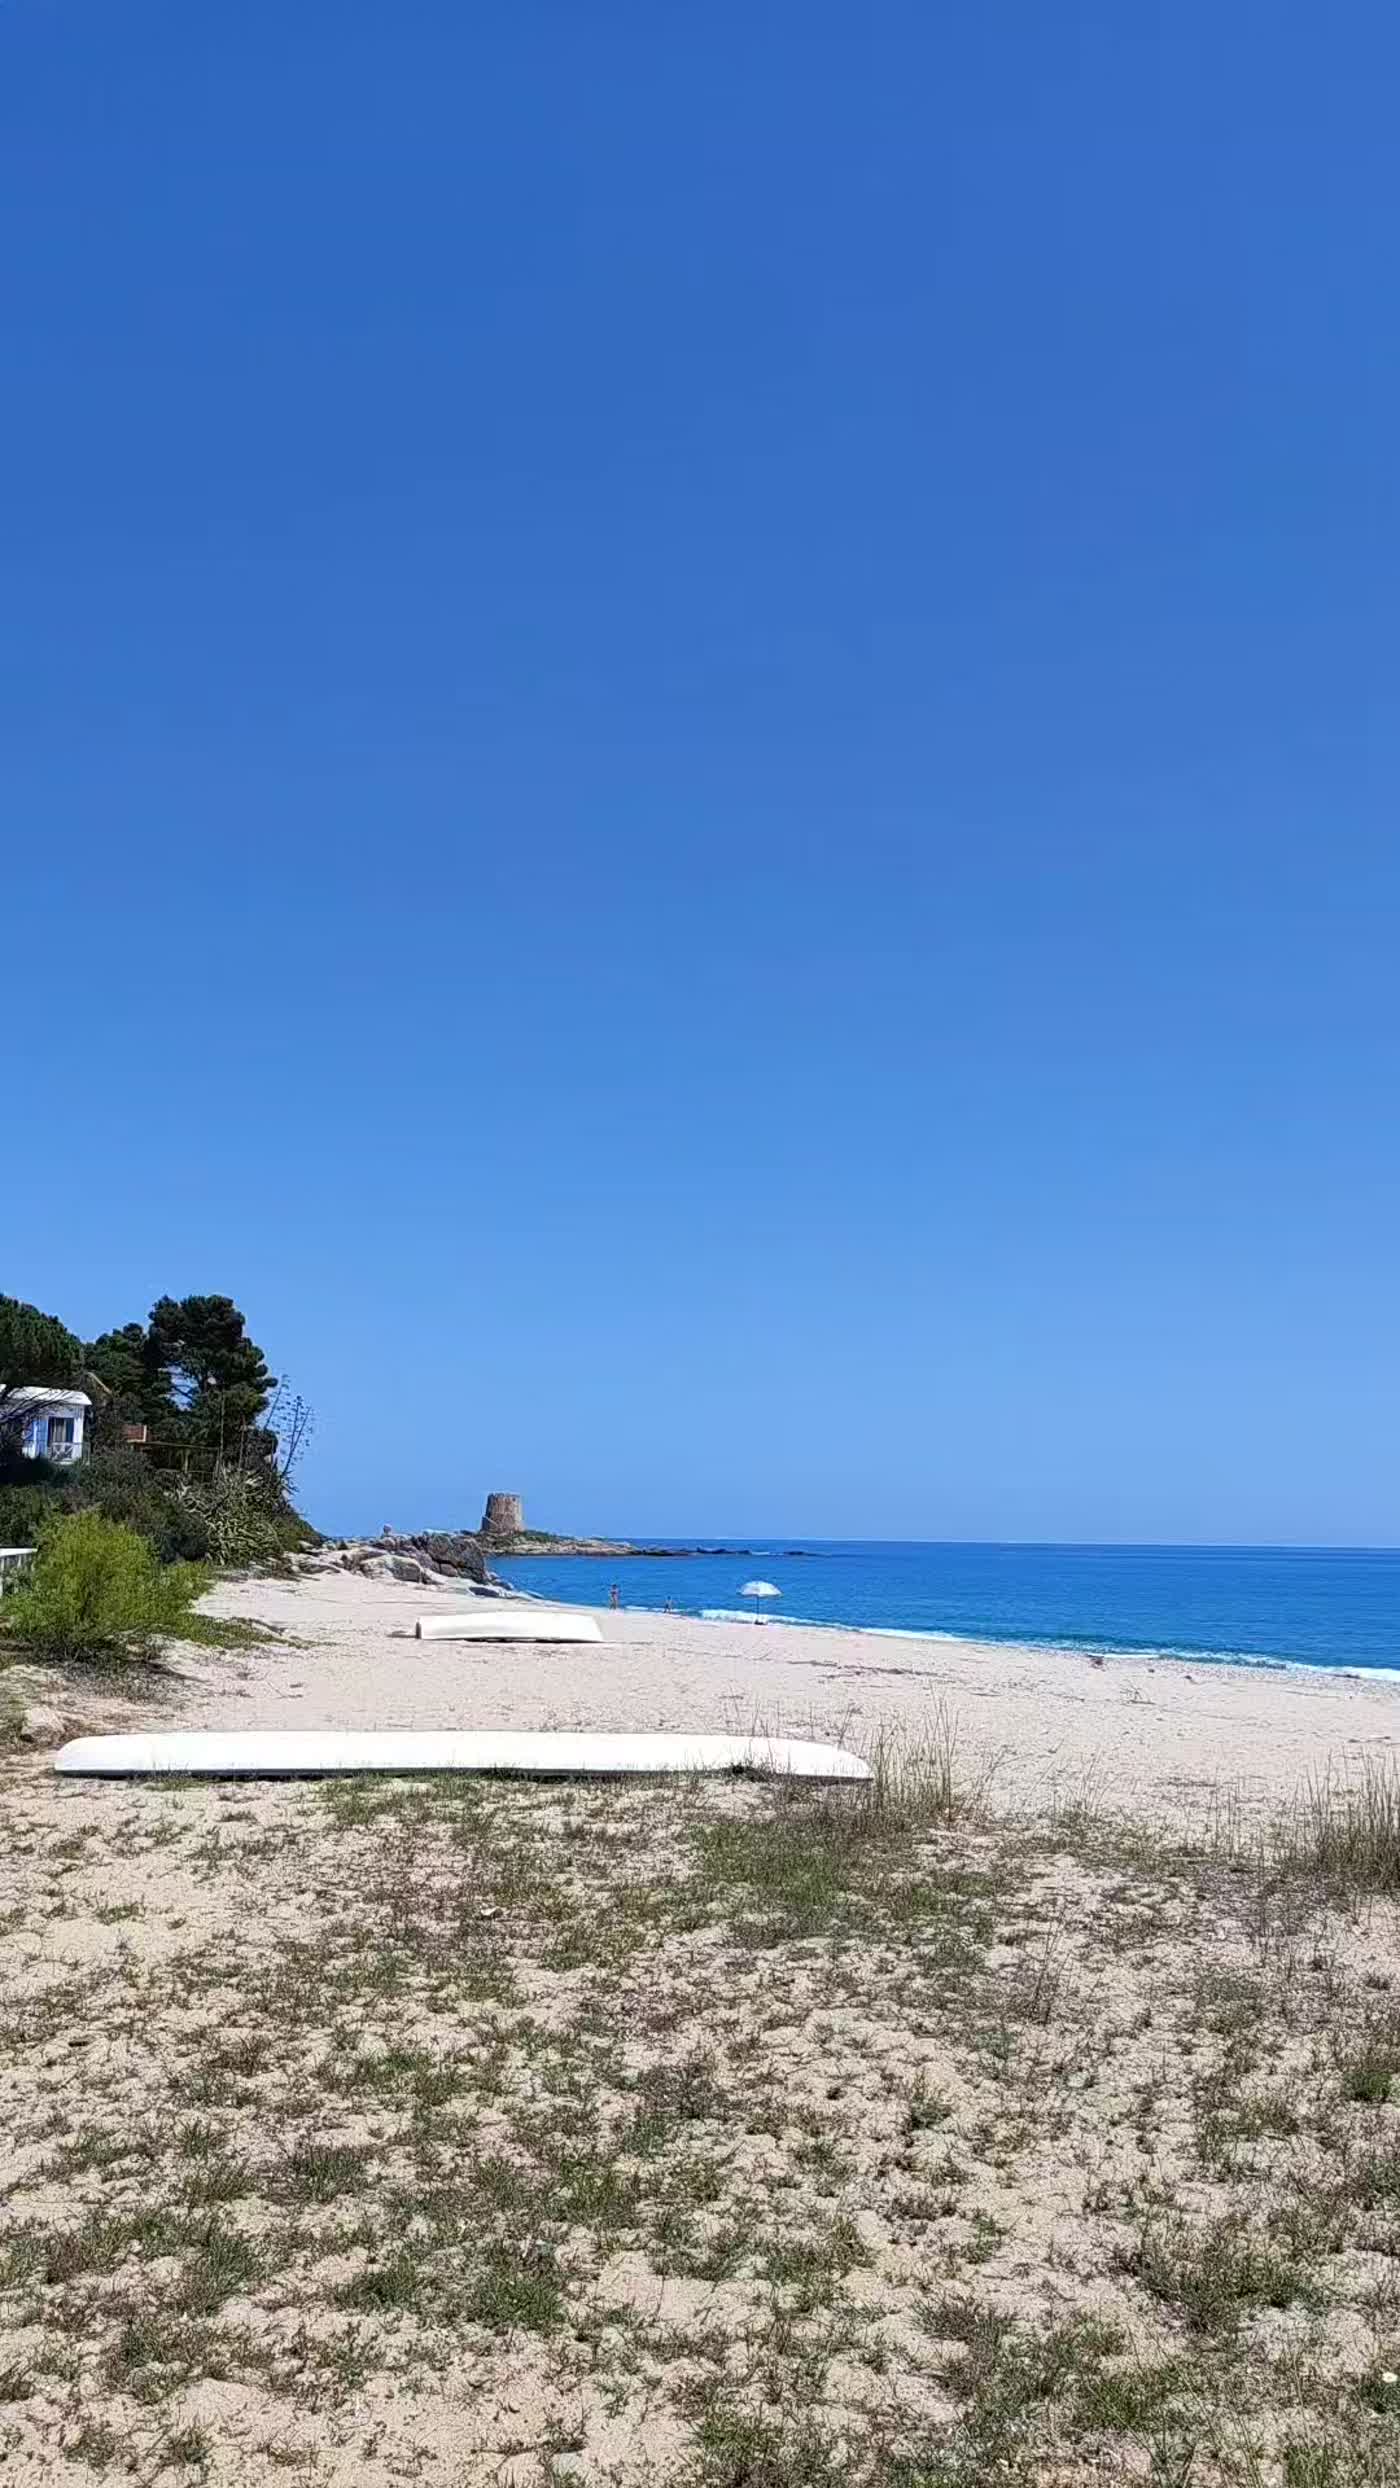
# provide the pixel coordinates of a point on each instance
(757, 1590)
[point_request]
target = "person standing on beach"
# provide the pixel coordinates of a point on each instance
(615, 1596)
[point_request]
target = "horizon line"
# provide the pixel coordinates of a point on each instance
(1182, 1546)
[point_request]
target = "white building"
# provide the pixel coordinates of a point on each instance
(53, 1421)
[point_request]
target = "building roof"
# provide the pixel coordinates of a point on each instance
(37, 1395)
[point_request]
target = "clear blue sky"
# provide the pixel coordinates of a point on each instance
(701, 748)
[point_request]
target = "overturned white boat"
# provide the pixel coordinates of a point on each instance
(494, 1621)
(538, 1753)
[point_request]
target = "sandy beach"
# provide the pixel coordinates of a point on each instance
(503, 2134)
(1147, 1735)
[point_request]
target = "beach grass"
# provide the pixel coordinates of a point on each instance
(725, 2133)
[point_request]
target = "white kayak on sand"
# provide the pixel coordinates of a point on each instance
(543, 1753)
(496, 1622)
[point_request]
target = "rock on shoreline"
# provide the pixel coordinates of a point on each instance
(445, 1556)
(434, 1557)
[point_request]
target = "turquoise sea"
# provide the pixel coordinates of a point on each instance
(1318, 1606)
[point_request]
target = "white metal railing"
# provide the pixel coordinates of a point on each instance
(13, 1561)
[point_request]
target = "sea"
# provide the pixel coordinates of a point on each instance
(1260, 1605)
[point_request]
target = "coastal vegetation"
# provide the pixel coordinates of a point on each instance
(34, 1348)
(97, 1590)
(191, 1443)
(724, 2135)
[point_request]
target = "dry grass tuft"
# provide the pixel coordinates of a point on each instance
(1345, 1834)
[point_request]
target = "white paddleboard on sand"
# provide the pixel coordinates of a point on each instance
(278, 1753)
(494, 1621)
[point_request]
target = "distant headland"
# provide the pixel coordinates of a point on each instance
(503, 1532)
(443, 1556)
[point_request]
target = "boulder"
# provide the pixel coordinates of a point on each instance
(40, 1724)
(456, 1552)
(412, 1568)
(439, 1556)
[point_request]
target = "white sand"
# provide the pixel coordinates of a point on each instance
(1163, 1734)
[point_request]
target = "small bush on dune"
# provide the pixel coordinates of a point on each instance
(243, 1518)
(96, 1590)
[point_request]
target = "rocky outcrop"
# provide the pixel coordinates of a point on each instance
(458, 1552)
(448, 1555)
(435, 1558)
(540, 1542)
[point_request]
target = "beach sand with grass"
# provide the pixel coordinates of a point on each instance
(1028, 2116)
(1156, 1735)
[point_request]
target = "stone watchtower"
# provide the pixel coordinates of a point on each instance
(503, 1519)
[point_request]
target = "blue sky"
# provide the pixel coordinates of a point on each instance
(700, 746)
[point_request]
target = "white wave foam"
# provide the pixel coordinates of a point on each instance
(1165, 1651)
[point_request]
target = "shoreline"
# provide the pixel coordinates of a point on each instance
(1329, 1614)
(1164, 1738)
(1174, 1654)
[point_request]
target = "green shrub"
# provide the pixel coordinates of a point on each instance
(17, 1468)
(29, 1491)
(237, 1518)
(23, 1512)
(96, 1590)
(121, 1484)
(242, 1516)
